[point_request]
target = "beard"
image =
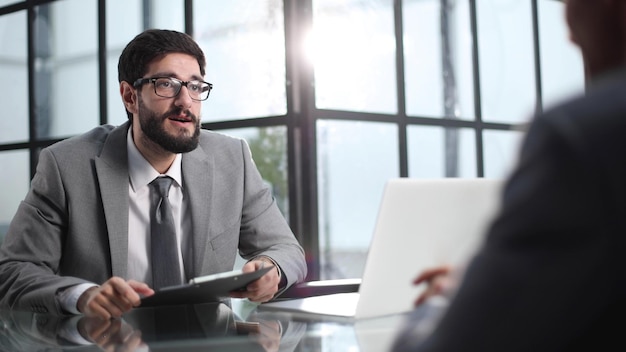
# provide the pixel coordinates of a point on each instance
(152, 126)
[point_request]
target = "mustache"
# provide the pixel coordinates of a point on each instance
(177, 111)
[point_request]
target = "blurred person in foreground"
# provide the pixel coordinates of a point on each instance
(550, 275)
(80, 242)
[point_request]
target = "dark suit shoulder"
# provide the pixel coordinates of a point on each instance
(581, 141)
(602, 108)
(594, 123)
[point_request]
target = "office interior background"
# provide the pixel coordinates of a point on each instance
(335, 97)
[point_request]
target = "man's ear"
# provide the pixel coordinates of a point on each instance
(129, 97)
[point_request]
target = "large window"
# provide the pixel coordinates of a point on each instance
(244, 42)
(334, 97)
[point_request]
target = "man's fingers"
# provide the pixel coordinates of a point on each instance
(96, 310)
(125, 294)
(141, 288)
(117, 298)
(113, 307)
(261, 295)
(256, 295)
(431, 273)
(263, 289)
(114, 298)
(92, 306)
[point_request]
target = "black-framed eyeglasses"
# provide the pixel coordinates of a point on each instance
(169, 87)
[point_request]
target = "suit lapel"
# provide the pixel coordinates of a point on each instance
(198, 181)
(112, 173)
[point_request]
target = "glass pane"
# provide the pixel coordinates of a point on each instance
(501, 149)
(507, 70)
(353, 50)
(354, 161)
(435, 152)
(244, 42)
(562, 70)
(268, 146)
(438, 77)
(168, 14)
(130, 13)
(14, 72)
(14, 185)
(9, 2)
(66, 68)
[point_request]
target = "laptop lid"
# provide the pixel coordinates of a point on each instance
(421, 223)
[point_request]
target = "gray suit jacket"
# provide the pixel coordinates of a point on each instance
(72, 226)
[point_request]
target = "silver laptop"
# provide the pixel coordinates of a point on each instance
(421, 223)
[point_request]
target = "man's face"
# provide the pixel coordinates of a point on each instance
(171, 123)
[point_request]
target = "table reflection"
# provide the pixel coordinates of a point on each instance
(185, 327)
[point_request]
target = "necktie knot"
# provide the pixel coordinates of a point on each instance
(162, 185)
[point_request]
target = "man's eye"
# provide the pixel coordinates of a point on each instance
(195, 87)
(164, 84)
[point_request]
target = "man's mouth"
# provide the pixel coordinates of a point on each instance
(181, 118)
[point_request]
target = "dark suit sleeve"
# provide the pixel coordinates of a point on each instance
(546, 274)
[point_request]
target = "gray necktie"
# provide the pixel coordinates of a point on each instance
(165, 265)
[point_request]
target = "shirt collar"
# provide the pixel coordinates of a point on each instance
(141, 173)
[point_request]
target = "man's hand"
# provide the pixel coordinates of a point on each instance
(263, 289)
(114, 298)
(437, 279)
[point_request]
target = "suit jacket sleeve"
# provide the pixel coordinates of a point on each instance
(264, 230)
(30, 255)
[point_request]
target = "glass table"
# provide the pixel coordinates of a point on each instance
(232, 325)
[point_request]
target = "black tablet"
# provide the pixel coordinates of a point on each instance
(203, 289)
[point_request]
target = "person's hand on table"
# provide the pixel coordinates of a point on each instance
(263, 289)
(113, 298)
(437, 280)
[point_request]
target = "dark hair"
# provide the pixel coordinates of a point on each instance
(152, 44)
